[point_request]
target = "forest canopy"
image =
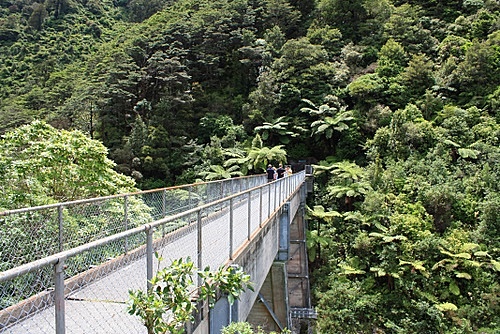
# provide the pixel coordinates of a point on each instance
(395, 103)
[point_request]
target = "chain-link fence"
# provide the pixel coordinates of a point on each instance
(34, 233)
(68, 267)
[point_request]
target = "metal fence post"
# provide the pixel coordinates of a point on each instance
(61, 227)
(290, 182)
(249, 219)
(59, 297)
(231, 222)
(269, 200)
(125, 220)
(274, 197)
(260, 206)
(280, 191)
(149, 256)
(221, 190)
(189, 197)
(163, 209)
(200, 246)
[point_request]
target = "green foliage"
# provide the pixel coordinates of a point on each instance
(276, 128)
(41, 165)
(257, 157)
(245, 328)
(328, 121)
(405, 137)
(174, 290)
(218, 172)
(345, 15)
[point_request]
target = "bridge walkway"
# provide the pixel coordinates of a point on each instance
(94, 301)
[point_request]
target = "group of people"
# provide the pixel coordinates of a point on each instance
(274, 173)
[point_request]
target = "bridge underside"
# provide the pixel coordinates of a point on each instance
(270, 311)
(284, 298)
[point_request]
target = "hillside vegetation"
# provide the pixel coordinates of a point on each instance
(396, 103)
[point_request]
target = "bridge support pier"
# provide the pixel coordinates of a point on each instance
(222, 314)
(284, 237)
(271, 311)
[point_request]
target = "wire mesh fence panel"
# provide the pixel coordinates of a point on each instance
(215, 239)
(180, 242)
(27, 237)
(38, 323)
(240, 221)
(97, 298)
(254, 210)
(107, 242)
(31, 234)
(88, 222)
(25, 295)
(156, 207)
(214, 191)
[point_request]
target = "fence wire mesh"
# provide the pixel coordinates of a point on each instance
(103, 246)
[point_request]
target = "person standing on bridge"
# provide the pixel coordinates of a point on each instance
(280, 171)
(270, 173)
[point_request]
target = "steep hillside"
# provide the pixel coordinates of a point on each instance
(397, 103)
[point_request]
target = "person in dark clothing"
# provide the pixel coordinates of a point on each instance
(280, 171)
(270, 173)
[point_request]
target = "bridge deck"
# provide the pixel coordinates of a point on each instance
(99, 305)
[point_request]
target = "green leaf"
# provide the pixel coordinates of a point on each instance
(454, 289)
(378, 271)
(418, 265)
(446, 307)
(230, 299)
(468, 247)
(482, 254)
(468, 153)
(451, 143)
(464, 275)
(496, 265)
(348, 270)
(466, 256)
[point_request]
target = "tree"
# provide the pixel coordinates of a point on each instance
(60, 7)
(367, 90)
(347, 180)
(41, 165)
(418, 76)
(258, 156)
(406, 28)
(218, 172)
(38, 16)
(303, 70)
(139, 10)
(277, 128)
(332, 118)
(478, 72)
(318, 239)
(346, 15)
(392, 59)
(281, 14)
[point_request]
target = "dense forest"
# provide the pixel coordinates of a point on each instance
(395, 103)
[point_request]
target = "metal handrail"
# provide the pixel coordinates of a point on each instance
(61, 256)
(101, 198)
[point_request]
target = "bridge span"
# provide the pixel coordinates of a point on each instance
(75, 281)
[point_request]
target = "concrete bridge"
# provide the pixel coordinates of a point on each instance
(82, 285)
